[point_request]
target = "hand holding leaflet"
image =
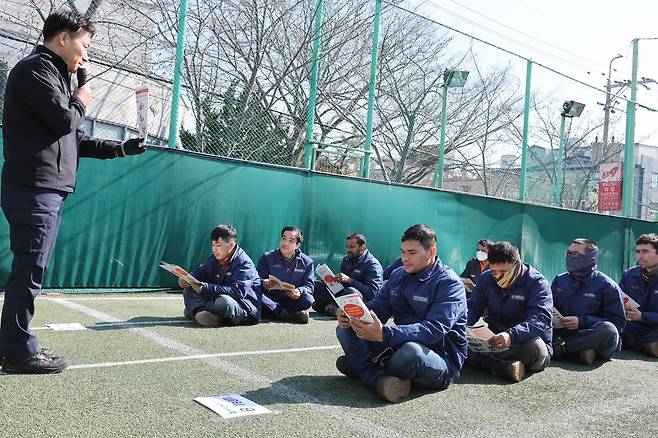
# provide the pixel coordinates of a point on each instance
(180, 273)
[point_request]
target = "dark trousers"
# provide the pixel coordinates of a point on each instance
(322, 296)
(34, 216)
(275, 300)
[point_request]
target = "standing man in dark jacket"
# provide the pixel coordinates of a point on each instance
(43, 140)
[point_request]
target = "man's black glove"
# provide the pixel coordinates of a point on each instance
(134, 146)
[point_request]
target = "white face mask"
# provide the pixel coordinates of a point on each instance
(481, 255)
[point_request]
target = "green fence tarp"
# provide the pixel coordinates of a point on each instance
(128, 214)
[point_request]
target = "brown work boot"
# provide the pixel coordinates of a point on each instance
(208, 319)
(393, 389)
(652, 349)
(513, 370)
(587, 356)
(343, 365)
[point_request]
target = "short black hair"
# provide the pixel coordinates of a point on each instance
(486, 242)
(503, 252)
(590, 245)
(300, 238)
(648, 239)
(421, 233)
(225, 232)
(360, 238)
(66, 21)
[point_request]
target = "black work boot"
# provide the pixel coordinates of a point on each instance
(44, 362)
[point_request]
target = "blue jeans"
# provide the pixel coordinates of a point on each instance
(413, 361)
(224, 306)
(602, 337)
(275, 300)
(34, 216)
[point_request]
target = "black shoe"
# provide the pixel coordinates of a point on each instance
(332, 310)
(343, 365)
(44, 362)
(300, 317)
(316, 306)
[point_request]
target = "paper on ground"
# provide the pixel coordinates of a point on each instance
(478, 340)
(179, 272)
(354, 307)
(142, 98)
(66, 327)
(327, 276)
(232, 405)
(557, 319)
(278, 284)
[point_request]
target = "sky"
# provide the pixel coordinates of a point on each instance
(577, 38)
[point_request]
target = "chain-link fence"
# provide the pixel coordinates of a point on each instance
(438, 108)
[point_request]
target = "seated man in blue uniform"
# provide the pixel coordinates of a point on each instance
(291, 300)
(427, 345)
(474, 267)
(641, 284)
(360, 272)
(519, 305)
(229, 293)
(591, 306)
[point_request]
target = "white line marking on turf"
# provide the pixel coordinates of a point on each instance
(282, 390)
(202, 356)
(45, 296)
(126, 324)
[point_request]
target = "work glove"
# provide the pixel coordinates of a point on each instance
(133, 146)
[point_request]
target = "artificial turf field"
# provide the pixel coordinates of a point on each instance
(139, 380)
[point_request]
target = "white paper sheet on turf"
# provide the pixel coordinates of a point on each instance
(66, 327)
(232, 405)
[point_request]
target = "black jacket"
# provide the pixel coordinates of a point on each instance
(42, 126)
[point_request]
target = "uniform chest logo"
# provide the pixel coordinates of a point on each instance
(393, 293)
(357, 271)
(589, 295)
(517, 297)
(278, 266)
(420, 298)
(299, 270)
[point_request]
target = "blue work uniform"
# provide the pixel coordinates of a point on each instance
(597, 302)
(297, 271)
(646, 295)
(524, 312)
(239, 281)
(427, 343)
(366, 274)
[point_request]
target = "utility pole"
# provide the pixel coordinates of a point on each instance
(608, 103)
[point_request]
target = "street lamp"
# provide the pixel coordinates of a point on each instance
(451, 79)
(570, 109)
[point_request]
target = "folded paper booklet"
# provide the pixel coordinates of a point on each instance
(630, 302)
(354, 307)
(557, 319)
(179, 272)
(478, 339)
(278, 284)
(327, 276)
